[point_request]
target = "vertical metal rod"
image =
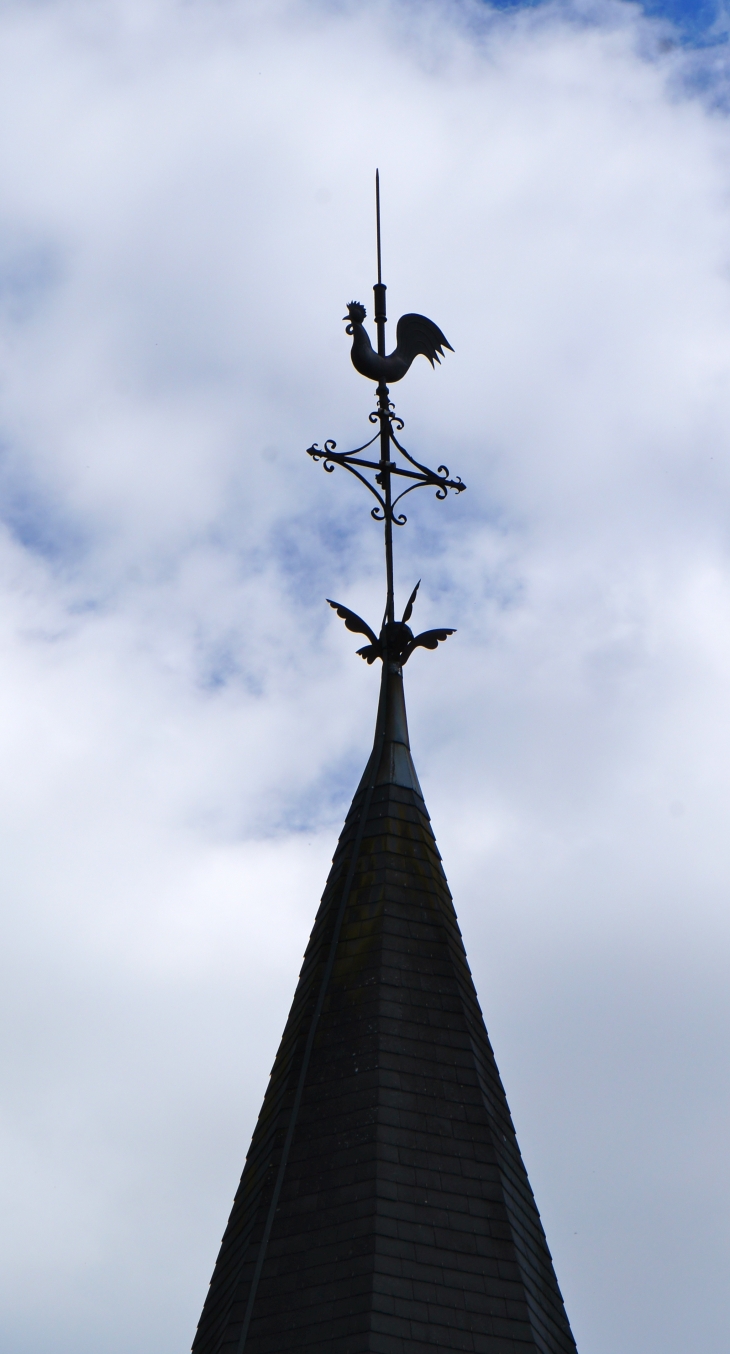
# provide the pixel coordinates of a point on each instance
(379, 289)
(377, 221)
(384, 414)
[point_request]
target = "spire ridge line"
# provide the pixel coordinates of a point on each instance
(380, 734)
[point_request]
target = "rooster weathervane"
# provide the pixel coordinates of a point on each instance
(415, 336)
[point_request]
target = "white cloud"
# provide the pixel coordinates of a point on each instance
(186, 207)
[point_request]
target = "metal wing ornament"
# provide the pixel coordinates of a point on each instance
(353, 621)
(397, 640)
(428, 639)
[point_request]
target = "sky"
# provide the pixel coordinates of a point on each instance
(185, 209)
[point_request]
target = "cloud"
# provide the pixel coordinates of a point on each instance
(186, 208)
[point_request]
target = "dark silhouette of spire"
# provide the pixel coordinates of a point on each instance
(402, 1219)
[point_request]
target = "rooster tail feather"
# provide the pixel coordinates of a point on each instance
(416, 334)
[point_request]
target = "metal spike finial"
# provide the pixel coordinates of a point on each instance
(379, 289)
(377, 221)
(415, 335)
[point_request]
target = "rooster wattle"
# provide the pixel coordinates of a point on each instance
(414, 334)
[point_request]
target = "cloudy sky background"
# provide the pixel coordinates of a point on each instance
(185, 207)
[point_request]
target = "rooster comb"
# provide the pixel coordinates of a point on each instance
(356, 311)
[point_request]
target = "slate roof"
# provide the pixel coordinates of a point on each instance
(384, 1207)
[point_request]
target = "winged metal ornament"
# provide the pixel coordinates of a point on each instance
(353, 621)
(397, 641)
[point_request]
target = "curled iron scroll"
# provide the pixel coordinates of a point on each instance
(421, 474)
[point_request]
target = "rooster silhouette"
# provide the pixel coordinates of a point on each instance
(396, 637)
(414, 334)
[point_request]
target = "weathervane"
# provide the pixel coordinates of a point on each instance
(415, 335)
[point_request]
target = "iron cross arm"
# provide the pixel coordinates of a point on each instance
(422, 476)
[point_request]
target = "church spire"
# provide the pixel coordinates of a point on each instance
(384, 1207)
